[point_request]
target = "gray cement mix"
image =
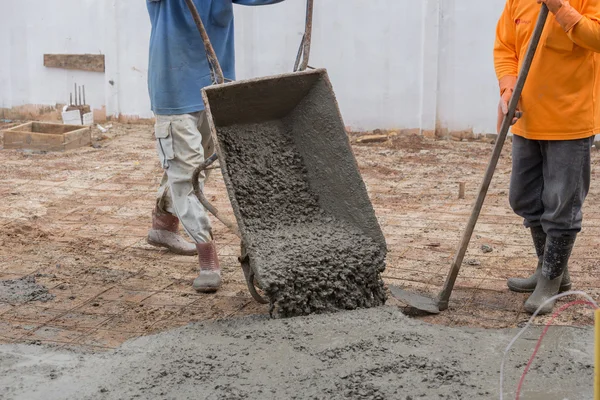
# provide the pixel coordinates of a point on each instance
(309, 261)
(364, 354)
(23, 290)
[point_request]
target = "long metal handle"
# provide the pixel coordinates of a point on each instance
(217, 75)
(304, 50)
(213, 61)
(200, 195)
(444, 295)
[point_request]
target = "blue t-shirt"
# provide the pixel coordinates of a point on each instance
(178, 69)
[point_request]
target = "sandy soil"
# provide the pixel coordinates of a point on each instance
(77, 221)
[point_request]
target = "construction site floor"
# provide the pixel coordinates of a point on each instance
(76, 223)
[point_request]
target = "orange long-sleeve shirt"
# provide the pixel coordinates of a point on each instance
(560, 100)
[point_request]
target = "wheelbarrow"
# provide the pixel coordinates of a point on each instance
(310, 241)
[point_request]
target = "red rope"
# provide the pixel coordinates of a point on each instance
(539, 342)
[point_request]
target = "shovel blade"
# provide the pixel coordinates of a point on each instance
(416, 301)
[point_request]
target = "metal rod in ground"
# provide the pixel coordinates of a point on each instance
(84, 95)
(80, 103)
(75, 93)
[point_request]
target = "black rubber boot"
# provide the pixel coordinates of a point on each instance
(527, 285)
(556, 258)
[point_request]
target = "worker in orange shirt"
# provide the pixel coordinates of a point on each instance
(559, 115)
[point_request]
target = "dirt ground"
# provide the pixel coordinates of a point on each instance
(76, 222)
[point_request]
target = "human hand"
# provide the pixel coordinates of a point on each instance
(503, 109)
(553, 5)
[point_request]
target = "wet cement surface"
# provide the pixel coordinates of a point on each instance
(307, 260)
(368, 354)
(23, 290)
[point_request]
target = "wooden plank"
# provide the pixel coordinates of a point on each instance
(84, 62)
(51, 128)
(33, 141)
(26, 127)
(79, 138)
(372, 139)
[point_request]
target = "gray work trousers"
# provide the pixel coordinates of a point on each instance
(182, 142)
(549, 183)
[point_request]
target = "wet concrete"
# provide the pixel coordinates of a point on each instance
(368, 354)
(304, 213)
(307, 260)
(23, 290)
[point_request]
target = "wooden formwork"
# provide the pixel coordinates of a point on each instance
(47, 136)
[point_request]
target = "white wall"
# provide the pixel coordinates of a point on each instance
(467, 85)
(30, 28)
(393, 63)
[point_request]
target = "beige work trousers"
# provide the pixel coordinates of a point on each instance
(182, 141)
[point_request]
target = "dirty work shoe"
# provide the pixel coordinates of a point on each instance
(527, 285)
(164, 233)
(556, 258)
(209, 279)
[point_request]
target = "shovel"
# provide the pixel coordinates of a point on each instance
(435, 305)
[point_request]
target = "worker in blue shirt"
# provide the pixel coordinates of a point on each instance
(177, 71)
